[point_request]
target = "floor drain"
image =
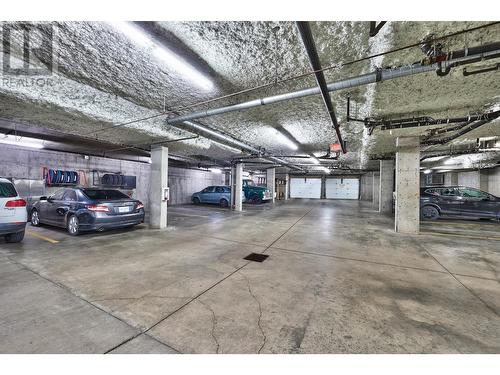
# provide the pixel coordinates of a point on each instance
(254, 257)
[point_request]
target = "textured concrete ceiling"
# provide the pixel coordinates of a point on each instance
(106, 78)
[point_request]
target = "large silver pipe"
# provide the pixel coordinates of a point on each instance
(222, 138)
(365, 79)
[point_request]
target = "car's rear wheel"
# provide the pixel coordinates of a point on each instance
(35, 218)
(224, 203)
(73, 225)
(196, 200)
(14, 237)
(429, 213)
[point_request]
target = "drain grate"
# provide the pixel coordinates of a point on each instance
(255, 257)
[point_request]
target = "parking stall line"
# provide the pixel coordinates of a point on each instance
(41, 237)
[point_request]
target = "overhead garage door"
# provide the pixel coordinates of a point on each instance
(305, 187)
(342, 188)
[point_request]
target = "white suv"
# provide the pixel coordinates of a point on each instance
(13, 215)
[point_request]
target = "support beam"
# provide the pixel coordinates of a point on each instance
(157, 183)
(287, 186)
(271, 181)
(407, 216)
(376, 185)
(386, 186)
(237, 187)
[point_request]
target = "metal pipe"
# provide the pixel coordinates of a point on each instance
(427, 121)
(312, 53)
(225, 139)
(455, 58)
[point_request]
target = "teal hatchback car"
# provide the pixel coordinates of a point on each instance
(220, 195)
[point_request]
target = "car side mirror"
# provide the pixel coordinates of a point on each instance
(43, 198)
(50, 199)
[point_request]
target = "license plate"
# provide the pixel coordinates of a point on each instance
(123, 209)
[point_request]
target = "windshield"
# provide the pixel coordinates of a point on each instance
(101, 195)
(7, 190)
(250, 182)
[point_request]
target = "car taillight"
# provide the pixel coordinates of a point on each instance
(97, 208)
(139, 206)
(16, 203)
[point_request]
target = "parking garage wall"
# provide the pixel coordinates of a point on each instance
(24, 163)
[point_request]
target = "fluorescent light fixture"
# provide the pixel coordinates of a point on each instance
(325, 169)
(434, 158)
(450, 161)
(427, 171)
(215, 170)
(163, 54)
(315, 160)
(182, 67)
(283, 139)
(133, 32)
(21, 141)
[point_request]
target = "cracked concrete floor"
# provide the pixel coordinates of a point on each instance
(337, 280)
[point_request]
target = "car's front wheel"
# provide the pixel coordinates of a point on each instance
(196, 200)
(429, 213)
(35, 218)
(224, 203)
(73, 225)
(255, 199)
(14, 237)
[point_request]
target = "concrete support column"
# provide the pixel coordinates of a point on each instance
(453, 178)
(407, 216)
(237, 187)
(157, 183)
(483, 180)
(271, 181)
(386, 186)
(376, 185)
(287, 186)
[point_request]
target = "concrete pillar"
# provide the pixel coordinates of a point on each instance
(483, 180)
(237, 187)
(271, 181)
(157, 183)
(375, 196)
(287, 186)
(407, 216)
(386, 186)
(453, 176)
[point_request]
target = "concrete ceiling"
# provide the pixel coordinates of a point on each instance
(104, 78)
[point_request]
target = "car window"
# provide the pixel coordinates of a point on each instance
(104, 194)
(58, 195)
(69, 195)
(209, 189)
(249, 182)
(448, 192)
(432, 191)
(228, 189)
(7, 190)
(219, 189)
(473, 193)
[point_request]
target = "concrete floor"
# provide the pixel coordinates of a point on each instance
(337, 280)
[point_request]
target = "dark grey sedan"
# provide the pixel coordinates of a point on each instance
(81, 209)
(458, 201)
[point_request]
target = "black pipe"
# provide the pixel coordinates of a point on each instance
(312, 53)
(468, 129)
(374, 28)
(426, 121)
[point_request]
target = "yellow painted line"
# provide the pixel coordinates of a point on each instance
(41, 237)
(461, 235)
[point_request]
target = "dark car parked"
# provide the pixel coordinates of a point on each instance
(81, 209)
(458, 201)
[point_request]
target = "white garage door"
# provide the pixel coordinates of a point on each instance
(342, 188)
(305, 187)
